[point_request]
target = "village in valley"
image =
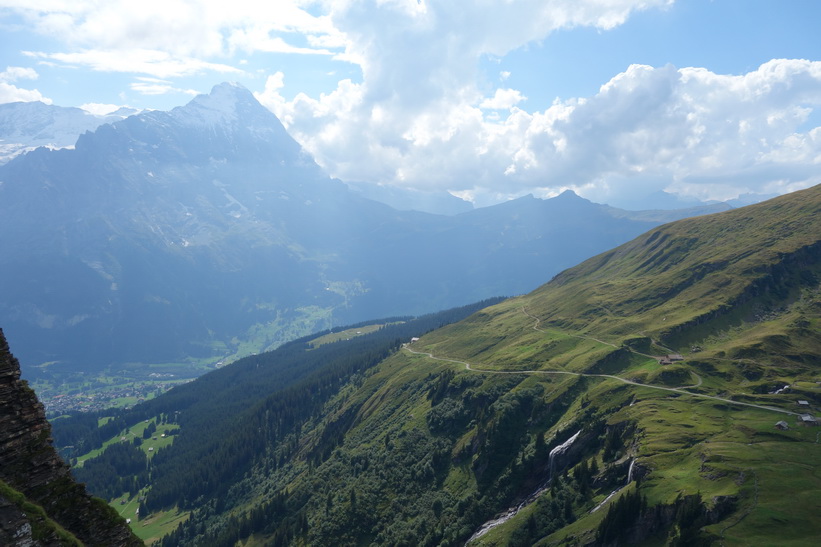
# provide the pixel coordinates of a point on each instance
(59, 401)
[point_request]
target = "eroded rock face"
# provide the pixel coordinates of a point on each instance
(24, 448)
(31, 468)
(15, 528)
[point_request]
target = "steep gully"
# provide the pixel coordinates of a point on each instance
(510, 513)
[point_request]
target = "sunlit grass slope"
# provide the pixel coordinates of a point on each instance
(732, 288)
(632, 400)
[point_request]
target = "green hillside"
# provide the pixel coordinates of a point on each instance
(736, 295)
(633, 400)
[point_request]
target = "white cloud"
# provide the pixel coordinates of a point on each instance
(14, 73)
(172, 38)
(503, 99)
(259, 39)
(417, 118)
(156, 86)
(100, 109)
(424, 116)
(141, 61)
(686, 130)
(184, 28)
(12, 94)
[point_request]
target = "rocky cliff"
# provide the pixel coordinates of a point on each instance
(40, 503)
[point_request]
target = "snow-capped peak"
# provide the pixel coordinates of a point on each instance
(216, 108)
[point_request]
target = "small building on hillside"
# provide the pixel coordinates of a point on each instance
(670, 358)
(804, 404)
(807, 419)
(782, 425)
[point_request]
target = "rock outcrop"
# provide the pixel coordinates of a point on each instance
(40, 503)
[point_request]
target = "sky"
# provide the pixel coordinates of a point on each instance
(488, 99)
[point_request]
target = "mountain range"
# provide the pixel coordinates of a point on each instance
(662, 392)
(25, 126)
(207, 231)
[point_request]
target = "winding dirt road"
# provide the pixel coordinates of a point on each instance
(679, 390)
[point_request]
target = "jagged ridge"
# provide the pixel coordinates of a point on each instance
(37, 486)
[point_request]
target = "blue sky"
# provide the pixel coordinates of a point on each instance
(724, 36)
(489, 100)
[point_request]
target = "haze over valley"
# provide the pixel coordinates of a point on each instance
(410, 273)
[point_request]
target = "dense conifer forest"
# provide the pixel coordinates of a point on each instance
(227, 420)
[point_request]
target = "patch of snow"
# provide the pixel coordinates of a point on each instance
(216, 108)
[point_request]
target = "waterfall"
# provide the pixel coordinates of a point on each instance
(617, 490)
(630, 471)
(511, 512)
(559, 451)
(602, 504)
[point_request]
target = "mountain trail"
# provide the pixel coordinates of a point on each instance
(536, 328)
(679, 390)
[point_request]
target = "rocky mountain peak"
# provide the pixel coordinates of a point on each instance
(569, 195)
(228, 104)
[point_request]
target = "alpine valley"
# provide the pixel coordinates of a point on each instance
(206, 233)
(662, 392)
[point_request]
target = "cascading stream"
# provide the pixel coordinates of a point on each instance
(557, 451)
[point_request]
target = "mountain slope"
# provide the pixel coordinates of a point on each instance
(26, 126)
(737, 294)
(218, 415)
(40, 503)
(209, 232)
(549, 419)
(679, 281)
